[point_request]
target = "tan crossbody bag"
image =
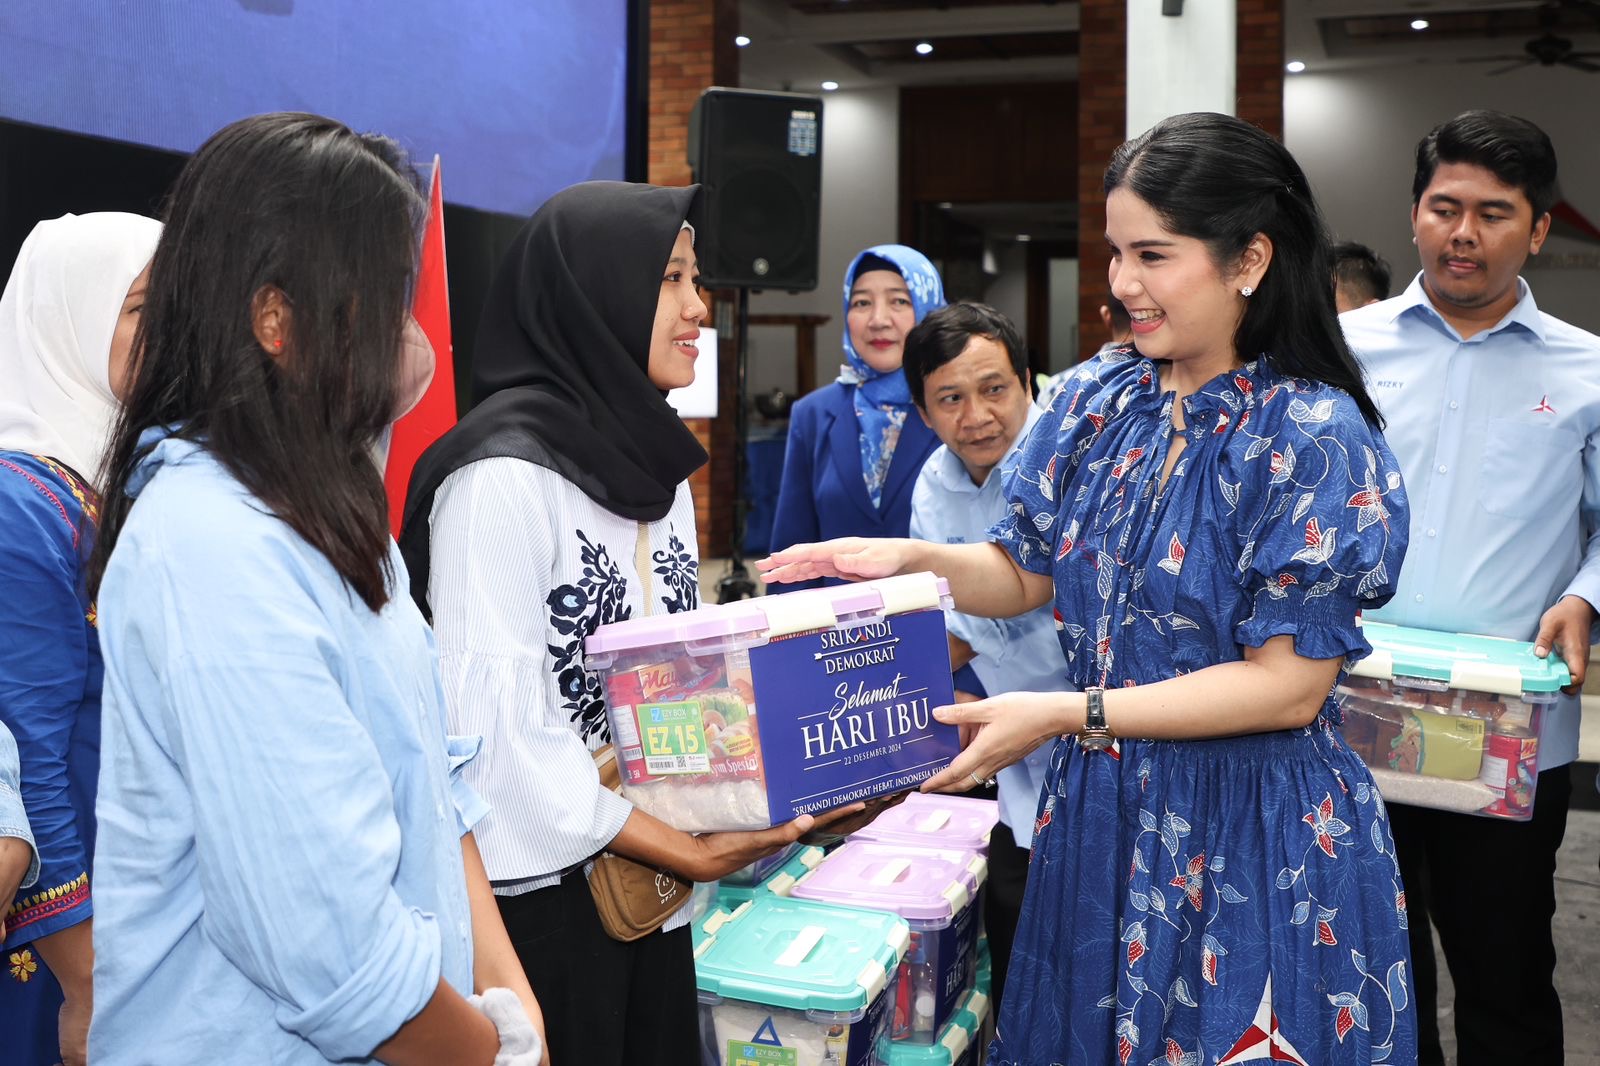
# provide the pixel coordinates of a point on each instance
(633, 899)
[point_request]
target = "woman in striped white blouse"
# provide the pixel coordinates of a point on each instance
(523, 531)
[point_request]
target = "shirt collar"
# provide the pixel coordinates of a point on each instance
(1525, 313)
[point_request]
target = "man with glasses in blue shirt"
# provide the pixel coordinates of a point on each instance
(1493, 410)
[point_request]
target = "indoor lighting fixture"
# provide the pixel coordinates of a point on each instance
(741, 40)
(1419, 24)
(924, 48)
(829, 86)
(1294, 66)
(1023, 238)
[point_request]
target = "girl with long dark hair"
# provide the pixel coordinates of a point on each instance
(285, 871)
(1213, 877)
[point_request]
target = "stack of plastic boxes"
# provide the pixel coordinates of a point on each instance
(1451, 721)
(783, 982)
(936, 890)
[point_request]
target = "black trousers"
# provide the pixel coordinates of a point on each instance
(1002, 903)
(605, 1003)
(1489, 887)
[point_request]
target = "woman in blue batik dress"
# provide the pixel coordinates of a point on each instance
(66, 327)
(1213, 878)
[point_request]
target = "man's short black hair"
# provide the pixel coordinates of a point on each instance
(944, 335)
(1512, 149)
(1362, 272)
(1121, 322)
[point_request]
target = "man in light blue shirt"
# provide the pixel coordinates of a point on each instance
(1493, 410)
(968, 373)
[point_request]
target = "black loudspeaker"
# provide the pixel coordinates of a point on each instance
(759, 156)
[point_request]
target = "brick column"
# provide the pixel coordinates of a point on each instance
(691, 49)
(1260, 64)
(1102, 110)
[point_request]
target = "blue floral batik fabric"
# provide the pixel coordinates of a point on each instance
(1219, 901)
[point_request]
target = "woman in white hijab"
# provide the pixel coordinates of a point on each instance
(67, 321)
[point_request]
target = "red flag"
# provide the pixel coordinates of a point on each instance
(436, 412)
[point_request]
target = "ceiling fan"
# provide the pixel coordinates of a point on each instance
(1550, 49)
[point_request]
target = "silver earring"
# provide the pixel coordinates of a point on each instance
(1246, 292)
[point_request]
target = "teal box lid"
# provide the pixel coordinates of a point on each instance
(778, 883)
(959, 1033)
(1460, 660)
(798, 955)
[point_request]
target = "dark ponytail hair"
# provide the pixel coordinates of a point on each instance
(329, 218)
(1222, 181)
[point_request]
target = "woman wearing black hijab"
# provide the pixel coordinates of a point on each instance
(523, 532)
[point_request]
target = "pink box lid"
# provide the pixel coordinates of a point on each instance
(921, 884)
(752, 621)
(928, 819)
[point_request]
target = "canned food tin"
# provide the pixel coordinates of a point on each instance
(1510, 758)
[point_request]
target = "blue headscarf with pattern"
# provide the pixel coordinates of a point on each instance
(883, 400)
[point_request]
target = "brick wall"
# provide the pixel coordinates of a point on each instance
(1259, 69)
(691, 49)
(1102, 118)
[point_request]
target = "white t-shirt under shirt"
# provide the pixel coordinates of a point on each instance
(524, 567)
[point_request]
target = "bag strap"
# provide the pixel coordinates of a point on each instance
(641, 563)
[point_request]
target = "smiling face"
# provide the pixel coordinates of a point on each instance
(674, 339)
(1473, 234)
(881, 314)
(1182, 306)
(977, 405)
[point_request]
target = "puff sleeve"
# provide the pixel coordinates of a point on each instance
(1328, 532)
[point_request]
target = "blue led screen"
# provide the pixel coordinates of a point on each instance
(520, 98)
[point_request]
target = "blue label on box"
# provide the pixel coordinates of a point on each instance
(847, 714)
(938, 970)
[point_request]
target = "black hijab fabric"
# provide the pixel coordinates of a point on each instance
(559, 375)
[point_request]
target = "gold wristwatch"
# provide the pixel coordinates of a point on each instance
(1095, 735)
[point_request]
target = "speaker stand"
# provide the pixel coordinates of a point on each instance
(738, 584)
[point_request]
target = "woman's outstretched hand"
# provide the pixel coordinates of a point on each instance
(1005, 730)
(847, 558)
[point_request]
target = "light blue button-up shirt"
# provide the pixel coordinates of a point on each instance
(1019, 654)
(1498, 438)
(278, 874)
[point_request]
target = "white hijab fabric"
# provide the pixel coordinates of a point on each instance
(57, 318)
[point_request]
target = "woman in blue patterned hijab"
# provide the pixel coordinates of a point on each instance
(855, 447)
(888, 289)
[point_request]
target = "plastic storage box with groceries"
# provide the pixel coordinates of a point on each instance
(745, 715)
(783, 982)
(936, 890)
(1451, 721)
